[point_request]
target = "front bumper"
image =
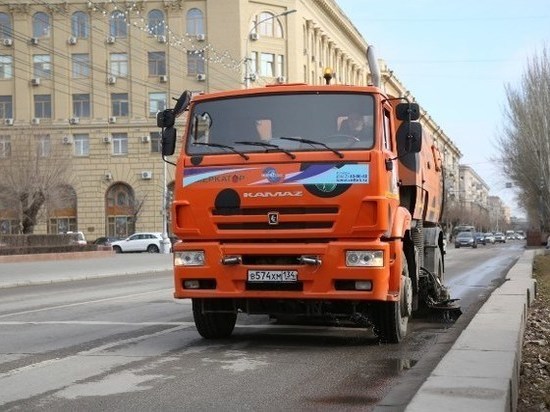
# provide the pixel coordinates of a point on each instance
(314, 281)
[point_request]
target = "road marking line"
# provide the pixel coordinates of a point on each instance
(95, 322)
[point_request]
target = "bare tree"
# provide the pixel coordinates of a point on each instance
(32, 175)
(525, 142)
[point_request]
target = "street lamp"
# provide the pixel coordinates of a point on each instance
(247, 75)
(165, 240)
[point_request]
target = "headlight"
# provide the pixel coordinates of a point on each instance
(189, 258)
(371, 258)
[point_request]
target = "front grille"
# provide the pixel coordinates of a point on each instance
(280, 226)
(289, 218)
(282, 211)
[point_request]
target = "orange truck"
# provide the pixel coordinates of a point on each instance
(281, 211)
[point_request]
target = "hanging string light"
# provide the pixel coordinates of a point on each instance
(186, 43)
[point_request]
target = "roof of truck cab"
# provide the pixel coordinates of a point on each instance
(288, 88)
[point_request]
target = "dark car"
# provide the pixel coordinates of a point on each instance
(480, 237)
(105, 240)
(466, 239)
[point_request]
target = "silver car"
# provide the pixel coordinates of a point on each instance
(467, 239)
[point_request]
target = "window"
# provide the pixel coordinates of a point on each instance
(81, 105)
(157, 103)
(6, 107)
(157, 63)
(81, 65)
(120, 143)
(42, 66)
(156, 146)
(5, 26)
(62, 225)
(43, 106)
(155, 23)
(195, 22)
(5, 146)
(267, 61)
(118, 27)
(387, 131)
(9, 226)
(195, 62)
(119, 64)
(43, 145)
(267, 25)
(80, 26)
(6, 67)
(120, 106)
(81, 144)
(280, 65)
(40, 25)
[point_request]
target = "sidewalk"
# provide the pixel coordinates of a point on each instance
(36, 272)
(481, 371)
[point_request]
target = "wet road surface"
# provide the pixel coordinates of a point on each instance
(123, 343)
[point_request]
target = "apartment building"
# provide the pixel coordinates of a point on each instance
(81, 83)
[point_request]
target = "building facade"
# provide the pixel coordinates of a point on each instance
(82, 82)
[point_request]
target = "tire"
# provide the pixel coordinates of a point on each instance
(214, 325)
(390, 321)
(117, 249)
(152, 249)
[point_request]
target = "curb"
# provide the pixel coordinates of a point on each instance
(481, 370)
(84, 277)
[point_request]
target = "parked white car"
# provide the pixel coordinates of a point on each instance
(139, 242)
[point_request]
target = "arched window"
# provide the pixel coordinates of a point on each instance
(120, 210)
(80, 26)
(41, 25)
(118, 26)
(268, 25)
(5, 26)
(195, 22)
(62, 210)
(156, 23)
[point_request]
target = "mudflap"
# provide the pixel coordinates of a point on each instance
(435, 299)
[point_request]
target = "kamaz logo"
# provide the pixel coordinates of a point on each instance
(298, 193)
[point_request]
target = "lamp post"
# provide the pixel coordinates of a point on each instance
(165, 239)
(247, 75)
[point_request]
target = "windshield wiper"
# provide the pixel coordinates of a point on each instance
(313, 143)
(223, 146)
(267, 146)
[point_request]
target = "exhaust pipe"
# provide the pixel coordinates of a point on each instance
(373, 66)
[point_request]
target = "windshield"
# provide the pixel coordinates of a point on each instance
(293, 122)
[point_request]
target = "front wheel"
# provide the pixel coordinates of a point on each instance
(214, 318)
(117, 249)
(391, 319)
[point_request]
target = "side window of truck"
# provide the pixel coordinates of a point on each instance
(387, 131)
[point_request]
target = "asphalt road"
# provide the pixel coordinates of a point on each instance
(123, 343)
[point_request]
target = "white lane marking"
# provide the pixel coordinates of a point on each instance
(88, 302)
(95, 322)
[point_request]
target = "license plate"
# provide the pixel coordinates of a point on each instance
(272, 275)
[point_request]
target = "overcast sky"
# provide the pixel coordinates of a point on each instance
(456, 58)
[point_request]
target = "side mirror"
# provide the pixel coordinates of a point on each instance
(409, 138)
(166, 118)
(168, 141)
(407, 111)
